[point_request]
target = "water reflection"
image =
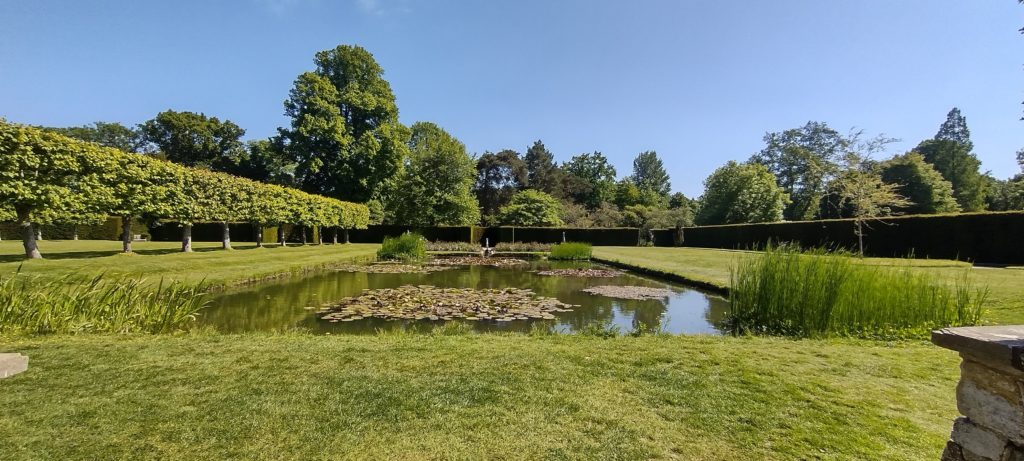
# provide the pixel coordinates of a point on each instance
(291, 303)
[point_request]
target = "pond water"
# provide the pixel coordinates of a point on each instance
(291, 303)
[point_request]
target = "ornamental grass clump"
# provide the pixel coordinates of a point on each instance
(573, 251)
(29, 305)
(406, 247)
(813, 294)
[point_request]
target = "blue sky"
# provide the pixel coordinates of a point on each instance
(700, 82)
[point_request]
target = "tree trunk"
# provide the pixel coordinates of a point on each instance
(74, 232)
(225, 240)
(282, 238)
(28, 236)
(319, 235)
(259, 235)
(346, 237)
(186, 239)
(303, 229)
(126, 234)
(860, 238)
(334, 236)
(39, 231)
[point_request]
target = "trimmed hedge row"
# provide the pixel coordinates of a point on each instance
(607, 237)
(376, 233)
(107, 230)
(992, 238)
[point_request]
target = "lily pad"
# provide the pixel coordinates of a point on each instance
(588, 273)
(629, 292)
(433, 303)
(477, 261)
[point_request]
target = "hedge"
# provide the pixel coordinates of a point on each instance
(107, 230)
(992, 238)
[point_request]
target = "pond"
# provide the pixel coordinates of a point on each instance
(294, 302)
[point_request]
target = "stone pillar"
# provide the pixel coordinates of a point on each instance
(990, 395)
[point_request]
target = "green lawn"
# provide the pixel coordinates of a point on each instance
(156, 260)
(297, 396)
(1006, 286)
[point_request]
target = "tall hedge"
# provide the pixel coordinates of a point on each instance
(981, 237)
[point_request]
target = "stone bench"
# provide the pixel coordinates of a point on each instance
(12, 364)
(990, 395)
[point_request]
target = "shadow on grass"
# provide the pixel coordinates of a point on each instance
(10, 258)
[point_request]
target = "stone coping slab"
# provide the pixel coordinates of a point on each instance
(12, 364)
(998, 345)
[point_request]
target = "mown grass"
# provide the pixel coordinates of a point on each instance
(406, 396)
(29, 305)
(785, 291)
(405, 247)
(1004, 305)
(571, 251)
(156, 261)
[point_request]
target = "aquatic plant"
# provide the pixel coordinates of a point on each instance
(629, 292)
(523, 247)
(29, 305)
(406, 247)
(432, 303)
(785, 291)
(571, 251)
(582, 272)
(476, 261)
(453, 246)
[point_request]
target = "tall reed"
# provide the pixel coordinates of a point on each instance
(29, 305)
(784, 291)
(571, 251)
(407, 247)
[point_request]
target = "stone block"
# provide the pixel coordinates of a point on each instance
(952, 452)
(989, 408)
(977, 443)
(1013, 453)
(12, 364)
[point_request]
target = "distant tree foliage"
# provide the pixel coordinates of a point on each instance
(195, 140)
(542, 172)
(803, 161)
(592, 179)
(958, 166)
(741, 193)
(107, 134)
(499, 176)
(649, 174)
(918, 181)
(531, 208)
(955, 129)
(435, 186)
(264, 161)
(344, 135)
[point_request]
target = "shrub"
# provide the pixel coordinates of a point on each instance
(571, 251)
(523, 247)
(452, 246)
(406, 247)
(31, 306)
(784, 291)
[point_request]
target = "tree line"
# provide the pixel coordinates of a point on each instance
(49, 178)
(344, 141)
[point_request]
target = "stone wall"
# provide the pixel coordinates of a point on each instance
(990, 395)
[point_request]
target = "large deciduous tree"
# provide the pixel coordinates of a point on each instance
(741, 193)
(592, 179)
(541, 171)
(435, 187)
(344, 134)
(803, 161)
(918, 181)
(499, 176)
(195, 140)
(531, 208)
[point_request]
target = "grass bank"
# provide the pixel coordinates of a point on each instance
(85, 259)
(475, 397)
(1004, 305)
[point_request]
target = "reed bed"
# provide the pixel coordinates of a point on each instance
(573, 251)
(406, 247)
(30, 305)
(817, 293)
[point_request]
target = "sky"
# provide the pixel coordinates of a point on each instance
(700, 82)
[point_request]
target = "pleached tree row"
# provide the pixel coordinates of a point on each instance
(47, 178)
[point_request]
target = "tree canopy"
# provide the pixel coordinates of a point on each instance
(803, 161)
(195, 140)
(107, 134)
(916, 180)
(741, 193)
(499, 176)
(593, 179)
(541, 171)
(344, 135)
(649, 174)
(960, 167)
(531, 208)
(435, 186)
